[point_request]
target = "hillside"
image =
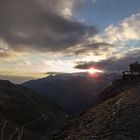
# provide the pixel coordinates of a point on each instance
(24, 115)
(117, 118)
(73, 93)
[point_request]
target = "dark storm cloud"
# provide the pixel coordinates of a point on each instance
(112, 64)
(28, 23)
(107, 65)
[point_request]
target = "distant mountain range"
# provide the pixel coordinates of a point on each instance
(72, 92)
(24, 115)
(28, 115)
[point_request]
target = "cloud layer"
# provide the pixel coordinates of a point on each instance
(43, 36)
(40, 25)
(112, 64)
(123, 32)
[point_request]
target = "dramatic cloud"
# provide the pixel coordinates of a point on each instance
(112, 64)
(126, 30)
(113, 41)
(42, 25)
(107, 65)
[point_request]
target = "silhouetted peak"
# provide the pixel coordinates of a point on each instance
(5, 83)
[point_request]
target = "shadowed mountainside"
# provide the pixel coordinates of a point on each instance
(24, 115)
(116, 118)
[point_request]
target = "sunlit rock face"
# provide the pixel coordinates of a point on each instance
(72, 92)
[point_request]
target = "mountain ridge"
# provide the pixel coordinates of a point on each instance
(24, 115)
(117, 117)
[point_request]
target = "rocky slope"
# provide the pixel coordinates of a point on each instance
(116, 118)
(73, 93)
(24, 115)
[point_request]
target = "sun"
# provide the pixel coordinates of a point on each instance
(92, 71)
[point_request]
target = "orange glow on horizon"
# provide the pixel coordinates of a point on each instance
(93, 71)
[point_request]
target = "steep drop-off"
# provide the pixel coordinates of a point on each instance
(115, 118)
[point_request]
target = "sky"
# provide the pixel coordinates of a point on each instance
(42, 36)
